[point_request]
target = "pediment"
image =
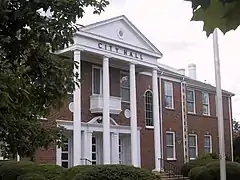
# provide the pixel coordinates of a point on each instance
(120, 29)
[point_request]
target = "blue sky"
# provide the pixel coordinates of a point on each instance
(166, 23)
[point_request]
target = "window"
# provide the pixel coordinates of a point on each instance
(148, 108)
(168, 94)
(120, 151)
(125, 87)
(97, 80)
(65, 154)
(192, 142)
(191, 101)
(205, 103)
(208, 144)
(170, 143)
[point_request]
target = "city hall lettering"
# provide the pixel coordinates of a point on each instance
(119, 50)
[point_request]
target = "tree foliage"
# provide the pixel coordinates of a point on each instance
(33, 80)
(236, 127)
(222, 14)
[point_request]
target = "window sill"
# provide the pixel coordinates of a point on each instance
(171, 159)
(192, 113)
(168, 108)
(126, 102)
(149, 127)
(208, 115)
(192, 159)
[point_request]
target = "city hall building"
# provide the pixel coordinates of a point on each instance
(129, 108)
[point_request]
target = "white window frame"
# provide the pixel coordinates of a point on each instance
(147, 126)
(208, 104)
(174, 145)
(194, 101)
(120, 146)
(124, 73)
(101, 79)
(170, 83)
(196, 146)
(210, 138)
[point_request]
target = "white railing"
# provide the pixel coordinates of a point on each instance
(96, 104)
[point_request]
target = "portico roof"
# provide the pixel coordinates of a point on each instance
(111, 28)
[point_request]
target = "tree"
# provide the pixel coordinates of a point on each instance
(236, 127)
(32, 79)
(222, 14)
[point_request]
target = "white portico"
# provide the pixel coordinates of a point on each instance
(118, 43)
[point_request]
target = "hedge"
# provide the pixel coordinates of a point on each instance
(212, 171)
(12, 170)
(31, 176)
(200, 173)
(114, 172)
(195, 163)
(72, 172)
(232, 170)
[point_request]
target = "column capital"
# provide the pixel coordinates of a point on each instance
(115, 133)
(77, 50)
(106, 56)
(88, 131)
(155, 69)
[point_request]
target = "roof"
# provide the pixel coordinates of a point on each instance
(128, 22)
(191, 82)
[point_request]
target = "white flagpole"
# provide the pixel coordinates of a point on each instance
(219, 107)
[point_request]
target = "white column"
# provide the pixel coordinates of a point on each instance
(77, 113)
(115, 148)
(133, 110)
(59, 156)
(106, 119)
(87, 147)
(156, 122)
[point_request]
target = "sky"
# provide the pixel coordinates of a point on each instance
(166, 23)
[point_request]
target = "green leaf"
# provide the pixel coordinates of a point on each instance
(222, 14)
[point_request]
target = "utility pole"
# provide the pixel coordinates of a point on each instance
(222, 156)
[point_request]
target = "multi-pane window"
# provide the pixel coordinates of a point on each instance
(65, 154)
(170, 143)
(191, 101)
(168, 94)
(208, 144)
(205, 103)
(125, 86)
(149, 108)
(97, 80)
(120, 151)
(192, 142)
(94, 150)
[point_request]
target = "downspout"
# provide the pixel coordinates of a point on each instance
(184, 121)
(231, 125)
(161, 117)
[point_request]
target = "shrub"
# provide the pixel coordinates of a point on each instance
(200, 173)
(72, 172)
(31, 176)
(115, 172)
(49, 171)
(232, 170)
(11, 170)
(195, 163)
(207, 156)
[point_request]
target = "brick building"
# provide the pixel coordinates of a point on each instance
(156, 112)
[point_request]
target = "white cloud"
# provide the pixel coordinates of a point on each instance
(167, 24)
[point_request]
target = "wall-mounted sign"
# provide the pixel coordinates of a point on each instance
(119, 50)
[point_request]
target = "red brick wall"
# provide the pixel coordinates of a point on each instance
(172, 119)
(147, 135)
